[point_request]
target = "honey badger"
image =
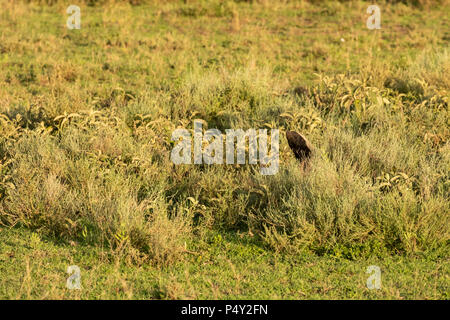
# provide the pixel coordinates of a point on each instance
(299, 145)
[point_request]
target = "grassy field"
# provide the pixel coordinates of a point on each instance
(86, 118)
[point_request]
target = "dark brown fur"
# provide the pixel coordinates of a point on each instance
(298, 145)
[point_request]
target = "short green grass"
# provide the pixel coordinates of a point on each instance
(226, 267)
(86, 179)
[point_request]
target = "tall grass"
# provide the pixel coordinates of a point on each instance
(91, 163)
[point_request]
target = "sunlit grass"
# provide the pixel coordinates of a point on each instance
(86, 118)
